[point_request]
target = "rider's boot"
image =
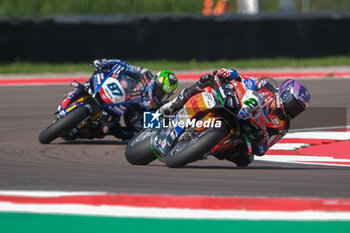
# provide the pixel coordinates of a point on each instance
(172, 106)
(118, 131)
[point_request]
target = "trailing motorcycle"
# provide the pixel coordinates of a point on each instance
(103, 101)
(201, 128)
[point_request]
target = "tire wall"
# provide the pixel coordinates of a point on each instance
(184, 37)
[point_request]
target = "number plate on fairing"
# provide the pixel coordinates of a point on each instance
(112, 91)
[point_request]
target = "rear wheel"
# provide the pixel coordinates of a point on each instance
(138, 151)
(67, 122)
(195, 145)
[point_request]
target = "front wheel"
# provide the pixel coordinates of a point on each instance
(138, 151)
(67, 122)
(193, 147)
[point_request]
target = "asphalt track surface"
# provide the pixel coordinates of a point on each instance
(99, 165)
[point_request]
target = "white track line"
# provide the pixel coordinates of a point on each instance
(320, 135)
(288, 146)
(171, 213)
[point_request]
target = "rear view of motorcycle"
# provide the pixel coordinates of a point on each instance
(203, 127)
(101, 101)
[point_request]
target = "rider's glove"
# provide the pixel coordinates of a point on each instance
(223, 73)
(205, 80)
(227, 74)
(99, 64)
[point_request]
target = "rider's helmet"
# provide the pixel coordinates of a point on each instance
(294, 96)
(163, 85)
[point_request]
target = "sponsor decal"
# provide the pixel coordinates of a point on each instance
(164, 143)
(243, 114)
(229, 86)
(222, 93)
(208, 99)
(167, 89)
(249, 83)
(108, 93)
(173, 135)
(99, 78)
(120, 111)
(261, 83)
(274, 120)
(172, 78)
(118, 69)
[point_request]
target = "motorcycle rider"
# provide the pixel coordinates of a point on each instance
(137, 82)
(261, 131)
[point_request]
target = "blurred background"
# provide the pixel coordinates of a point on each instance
(75, 31)
(125, 7)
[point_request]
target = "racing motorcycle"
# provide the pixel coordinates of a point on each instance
(104, 98)
(186, 140)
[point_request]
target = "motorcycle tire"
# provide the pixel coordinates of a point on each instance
(138, 151)
(240, 155)
(67, 122)
(243, 160)
(192, 150)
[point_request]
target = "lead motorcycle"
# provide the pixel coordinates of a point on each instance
(201, 128)
(103, 98)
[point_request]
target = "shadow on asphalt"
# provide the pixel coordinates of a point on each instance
(92, 142)
(264, 167)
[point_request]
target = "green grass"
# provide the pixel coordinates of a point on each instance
(247, 64)
(85, 7)
(32, 68)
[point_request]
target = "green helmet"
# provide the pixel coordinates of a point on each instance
(164, 85)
